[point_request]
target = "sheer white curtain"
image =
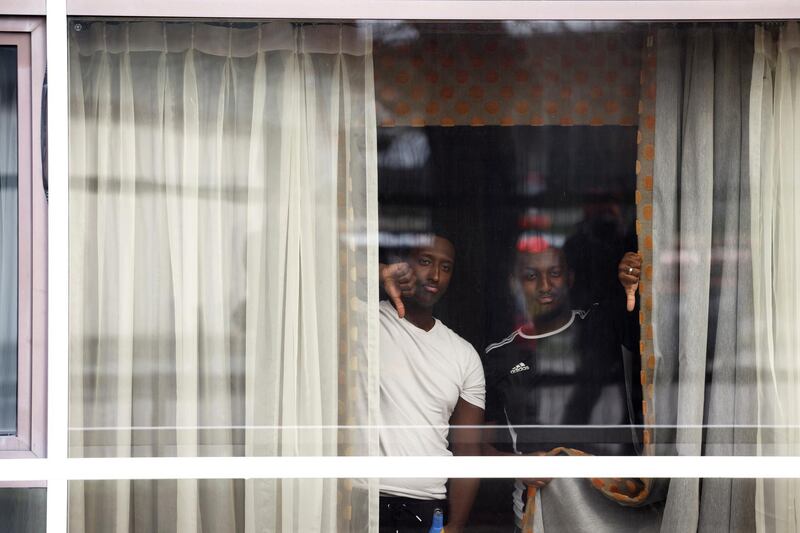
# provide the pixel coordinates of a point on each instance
(774, 171)
(222, 198)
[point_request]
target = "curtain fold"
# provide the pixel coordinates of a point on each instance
(702, 292)
(219, 233)
(775, 161)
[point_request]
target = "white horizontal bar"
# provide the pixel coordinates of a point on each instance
(387, 467)
(287, 427)
(34, 484)
(446, 9)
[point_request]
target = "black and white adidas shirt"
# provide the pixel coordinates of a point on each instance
(573, 378)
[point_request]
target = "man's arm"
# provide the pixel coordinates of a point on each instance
(490, 437)
(464, 440)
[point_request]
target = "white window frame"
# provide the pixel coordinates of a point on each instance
(23, 7)
(57, 468)
(27, 35)
(633, 10)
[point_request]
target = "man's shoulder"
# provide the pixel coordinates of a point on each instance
(592, 310)
(503, 356)
(597, 314)
(499, 346)
(385, 307)
(456, 339)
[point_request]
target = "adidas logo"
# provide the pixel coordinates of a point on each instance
(520, 367)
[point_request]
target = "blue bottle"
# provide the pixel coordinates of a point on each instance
(438, 522)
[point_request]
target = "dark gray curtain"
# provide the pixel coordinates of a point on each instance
(574, 505)
(703, 302)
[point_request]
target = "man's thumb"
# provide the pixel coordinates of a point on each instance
(394, 294)
(398, 304)
(630, 292)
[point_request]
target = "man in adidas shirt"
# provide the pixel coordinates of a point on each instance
(431, 383)
(564, 367)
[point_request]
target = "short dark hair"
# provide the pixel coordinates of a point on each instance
(443, 230)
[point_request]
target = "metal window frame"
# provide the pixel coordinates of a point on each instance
(643, 10)
(27, 35)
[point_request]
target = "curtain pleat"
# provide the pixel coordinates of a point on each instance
(665, 237)
(77, 227)
(703, 305)
(729, 504)
(217, 251)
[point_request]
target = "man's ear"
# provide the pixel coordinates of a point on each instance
(570, 277)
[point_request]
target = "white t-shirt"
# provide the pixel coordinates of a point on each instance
(423, 374)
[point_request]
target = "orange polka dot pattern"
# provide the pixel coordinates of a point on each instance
(344, 493)
(352, 267)
(498, 79)
(644, 227)
(637, 491)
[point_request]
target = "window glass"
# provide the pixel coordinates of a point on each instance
(571, 504)
(348, 239)
(219, 505)
(425, 239)
(555, 150)
(517, 145)
(23, 509)
(220, 179)
(8, 240)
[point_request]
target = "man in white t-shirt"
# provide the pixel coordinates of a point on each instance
(432, 391)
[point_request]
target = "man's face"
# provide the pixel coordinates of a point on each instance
(545, 281)
(433, 266)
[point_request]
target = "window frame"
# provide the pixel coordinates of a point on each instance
(27, 34)
(24, 7)
(445, 10)
(58, 468)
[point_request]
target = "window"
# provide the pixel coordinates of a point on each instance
(22, 282)
(167, 361)
(23, 273)
(8, 400)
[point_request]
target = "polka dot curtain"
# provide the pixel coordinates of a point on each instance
(644, 229)
(494, 76)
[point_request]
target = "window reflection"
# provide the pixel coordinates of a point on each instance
(23, 509)
(8, 240)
